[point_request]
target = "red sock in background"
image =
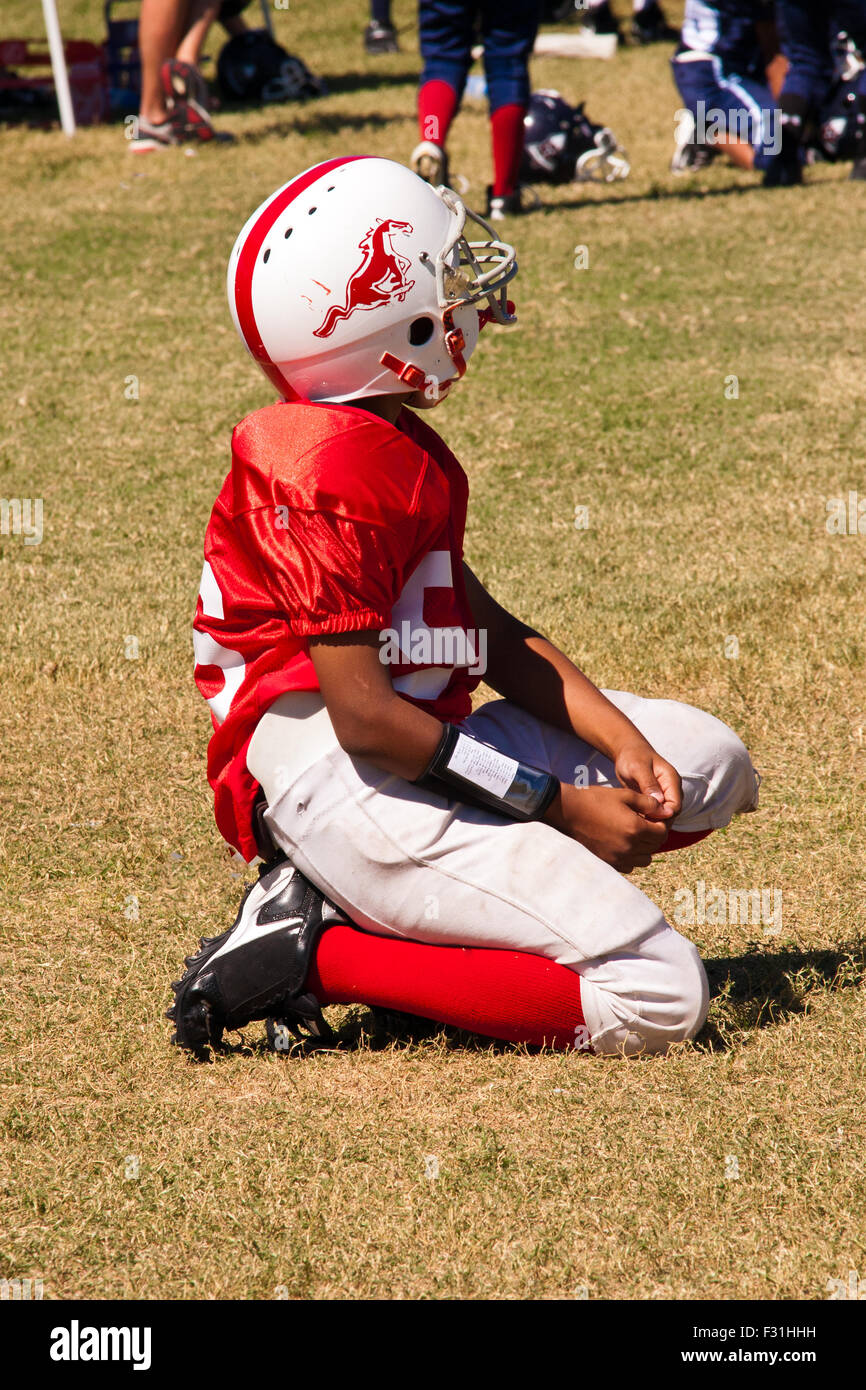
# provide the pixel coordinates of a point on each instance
(437, 107)
(503, 994)
(506, 124)
(681, 839)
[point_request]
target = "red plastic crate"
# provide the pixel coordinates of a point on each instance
(85, 64)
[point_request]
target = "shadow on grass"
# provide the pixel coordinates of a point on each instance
(370, 81)
(323, 122)
(763, 988)
(658, 194)
(368, 1029)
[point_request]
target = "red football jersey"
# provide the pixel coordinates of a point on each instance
(331, 520)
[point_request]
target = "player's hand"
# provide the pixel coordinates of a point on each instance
(639, 767)
(619, 825)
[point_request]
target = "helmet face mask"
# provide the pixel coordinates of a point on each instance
(604, 161)
(356, 279)
(452, 281)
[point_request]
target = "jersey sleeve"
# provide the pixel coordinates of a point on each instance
(337, 507)
(331, 573)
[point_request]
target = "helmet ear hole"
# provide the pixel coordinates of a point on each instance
(420, 331)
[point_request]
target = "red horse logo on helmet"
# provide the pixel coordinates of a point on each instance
(379, 279)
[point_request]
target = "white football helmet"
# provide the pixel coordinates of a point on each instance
(356, 279)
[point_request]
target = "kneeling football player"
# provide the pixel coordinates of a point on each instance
(727, 71)
(467, 867)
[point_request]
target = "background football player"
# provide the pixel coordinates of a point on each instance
(447, 30)
(648, 22)
(727, 72)
(808, 31)
(465, 866)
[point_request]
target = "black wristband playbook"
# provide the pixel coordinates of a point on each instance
(464, 768)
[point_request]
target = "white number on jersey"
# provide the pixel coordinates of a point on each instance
(434, 572)
(209, 652)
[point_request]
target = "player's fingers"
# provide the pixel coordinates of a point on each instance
(651, 835)
(641, 778)
(645, 805)
(671, 785)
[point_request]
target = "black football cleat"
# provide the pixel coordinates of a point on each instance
(650, 26)
(785, 170)
(502, 206)
(690, 154)
(498, 207)
(599, 19)
(380, 38)
(259, 967)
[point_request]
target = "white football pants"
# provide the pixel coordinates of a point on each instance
(404, 862)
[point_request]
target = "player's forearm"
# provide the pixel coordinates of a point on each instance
(398, 737)
(531, 672)
(371, 721)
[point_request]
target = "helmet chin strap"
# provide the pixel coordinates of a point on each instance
(454, 340)
(486, 316)
(455, 344)
(404, 371)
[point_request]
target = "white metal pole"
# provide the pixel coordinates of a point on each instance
(266, 16)
(58, 67)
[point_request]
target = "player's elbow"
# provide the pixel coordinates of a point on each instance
(359, 736)
(361, 746)
(390, 735)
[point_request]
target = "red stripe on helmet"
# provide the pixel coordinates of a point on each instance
(243, 282)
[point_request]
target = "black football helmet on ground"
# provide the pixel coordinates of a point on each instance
(562, 144)
(252, 67)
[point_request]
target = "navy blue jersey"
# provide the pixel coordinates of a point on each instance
(726, 30)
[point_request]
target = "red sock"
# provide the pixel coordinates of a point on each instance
(681, 839)
(437, 107)
(502, 994)
(506, 124)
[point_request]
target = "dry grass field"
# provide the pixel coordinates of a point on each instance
(735, 1168)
